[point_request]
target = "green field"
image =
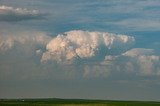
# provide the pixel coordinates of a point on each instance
(73, 102)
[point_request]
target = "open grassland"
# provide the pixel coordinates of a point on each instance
(73, 102)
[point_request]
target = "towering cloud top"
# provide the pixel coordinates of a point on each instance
(79, 44)
(17, 14)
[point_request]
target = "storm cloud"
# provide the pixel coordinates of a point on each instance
(98, 54)
(79, 44)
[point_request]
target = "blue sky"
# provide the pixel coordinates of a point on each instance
(101, 49)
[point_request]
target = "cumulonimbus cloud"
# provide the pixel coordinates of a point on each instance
(18, 14)
(79, 44)
(98, 54)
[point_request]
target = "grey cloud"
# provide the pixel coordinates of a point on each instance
(18, 14)
(23, 40)
(137, 62)
(19, 55)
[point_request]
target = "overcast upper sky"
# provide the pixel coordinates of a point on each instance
(97, 49)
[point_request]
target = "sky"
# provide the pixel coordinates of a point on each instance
(88, 49)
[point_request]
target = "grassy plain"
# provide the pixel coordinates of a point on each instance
(73, 102)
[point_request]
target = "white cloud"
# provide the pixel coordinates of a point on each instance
(17, 14)
(138, 52)
(84, 45)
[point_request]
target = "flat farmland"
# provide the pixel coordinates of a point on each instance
(73, 102)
